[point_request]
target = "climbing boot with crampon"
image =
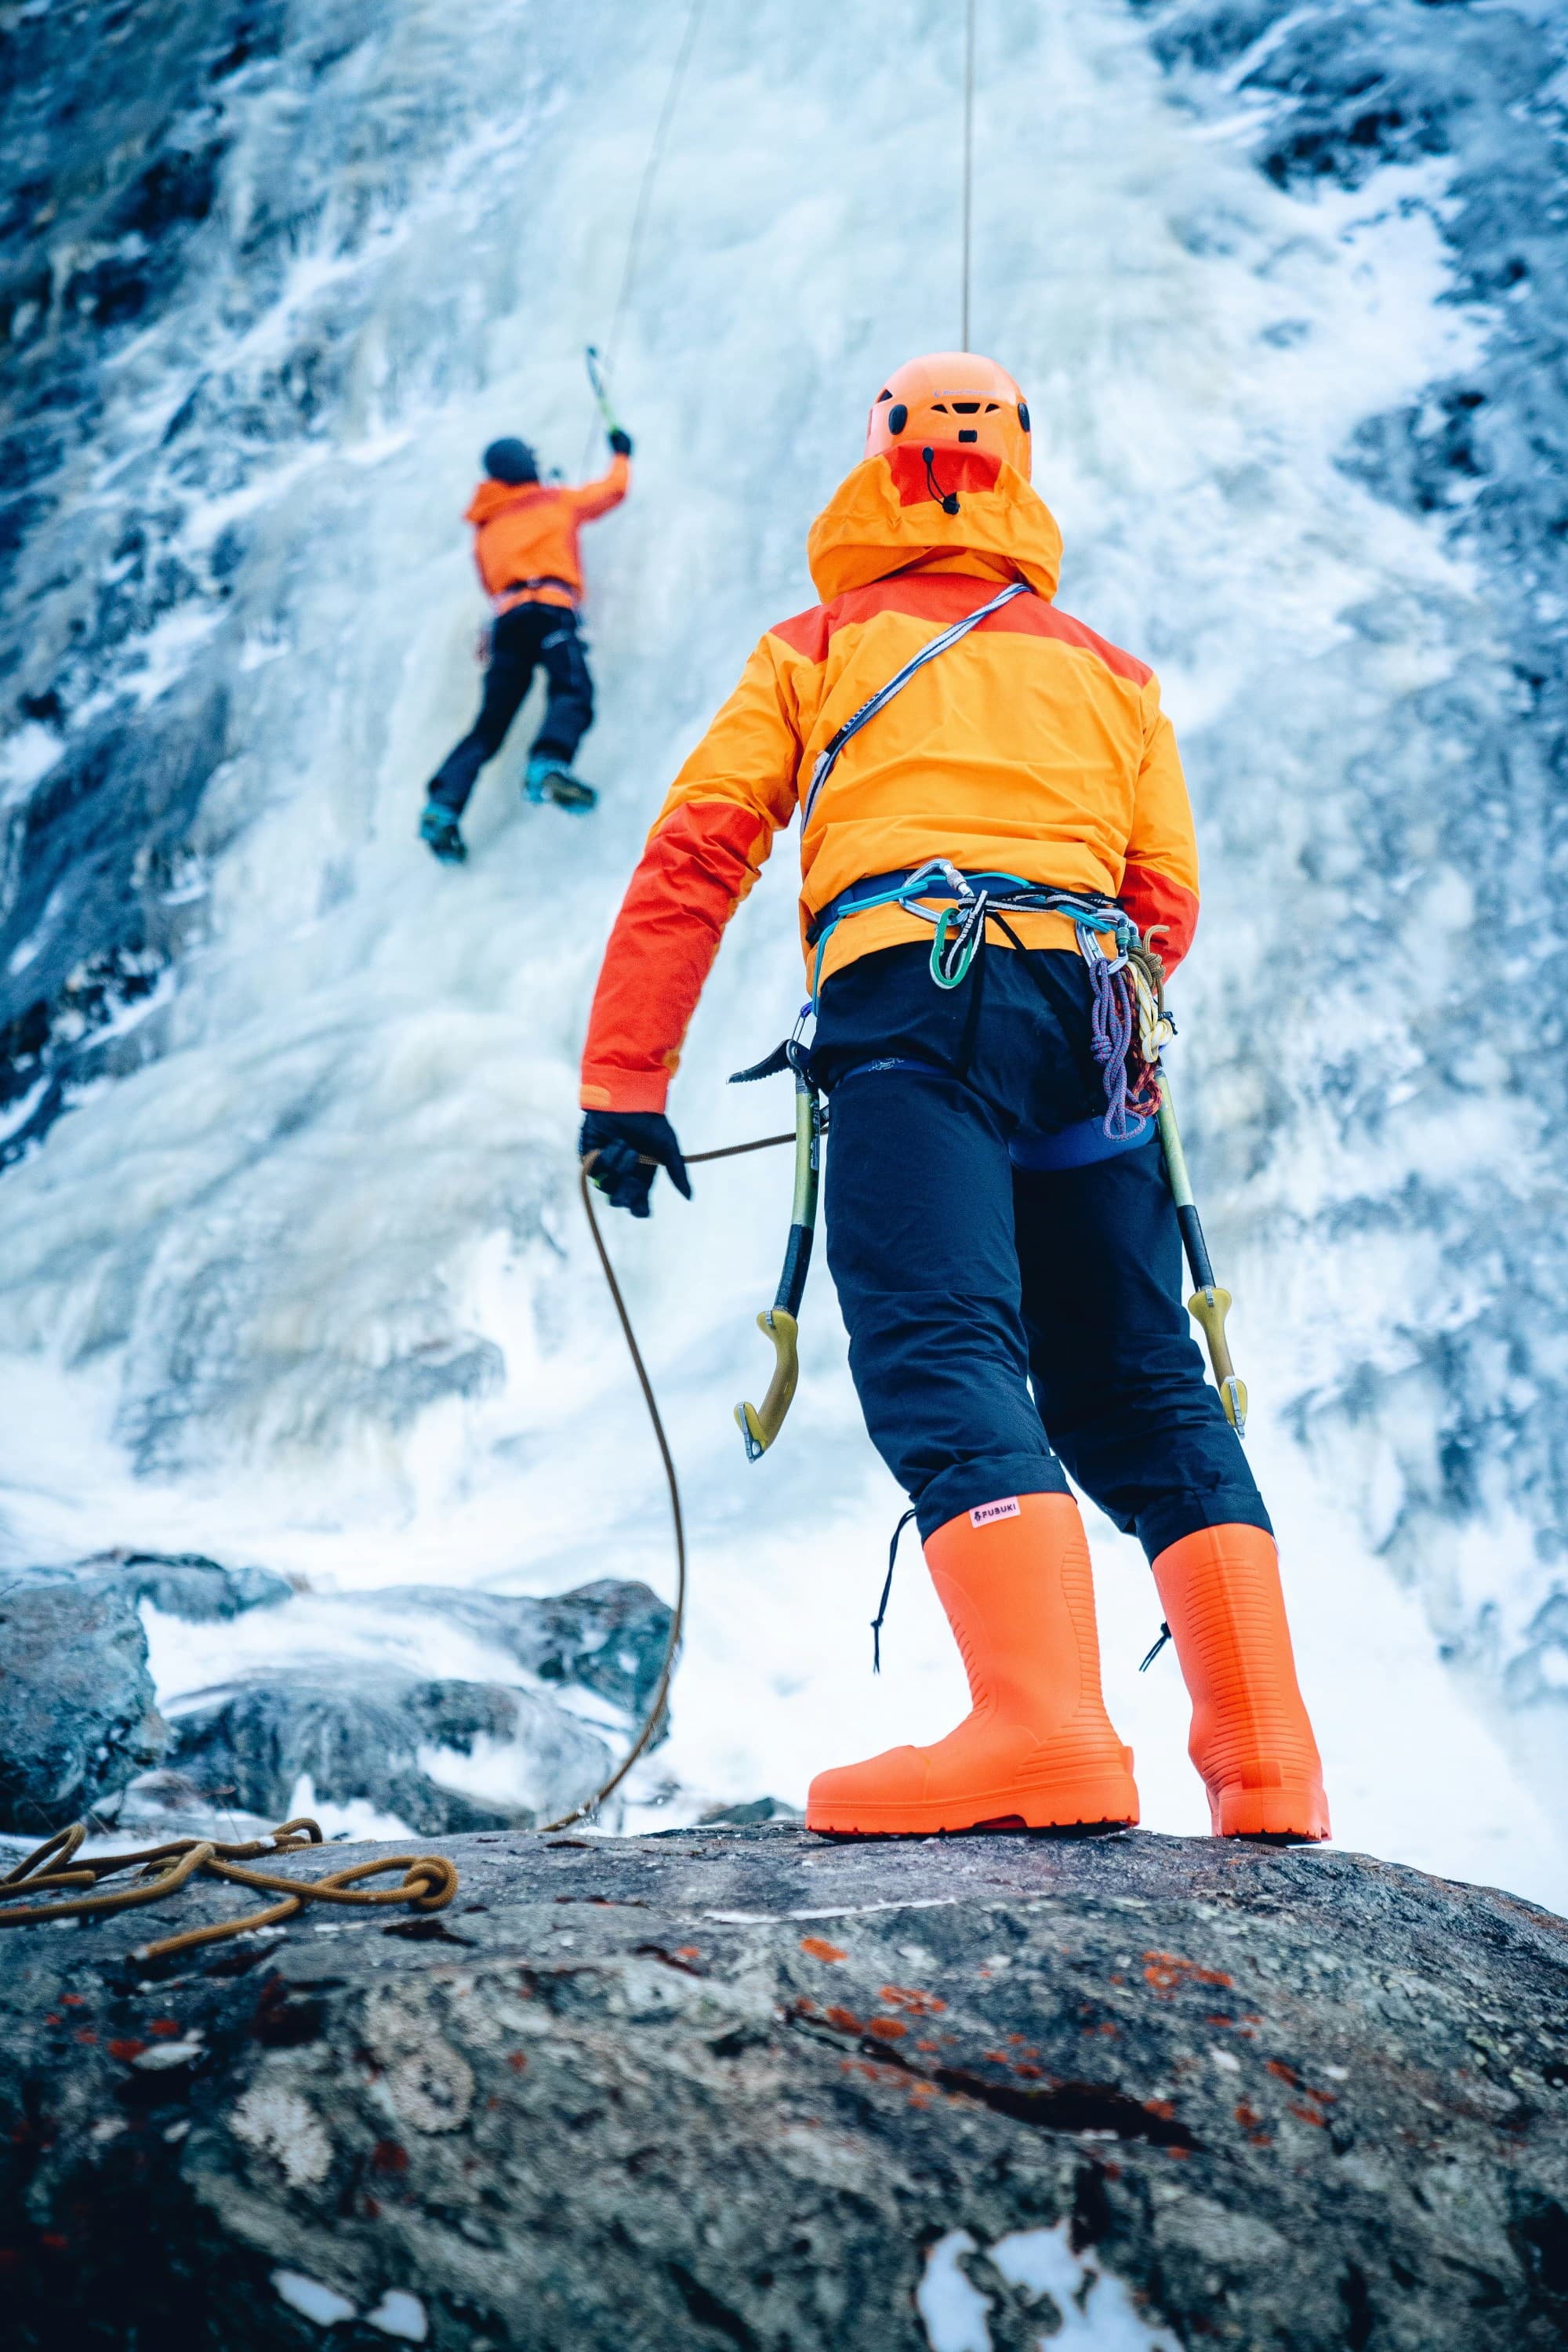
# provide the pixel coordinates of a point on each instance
(1037, 1750)
(438, 831)
(546, 780)
(1251, 1738)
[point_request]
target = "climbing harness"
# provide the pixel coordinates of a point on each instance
(654, 1711)
(759, 1424)
(1129, 1024)
(429, 1882)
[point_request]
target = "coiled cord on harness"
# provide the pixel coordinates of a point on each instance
(655, 1705)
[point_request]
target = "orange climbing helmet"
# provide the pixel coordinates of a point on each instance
(951, 400)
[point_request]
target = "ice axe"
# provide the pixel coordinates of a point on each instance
(759, 1424)
(595, 367)
(1209, 1305)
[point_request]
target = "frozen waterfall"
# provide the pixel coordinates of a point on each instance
(292, 1268)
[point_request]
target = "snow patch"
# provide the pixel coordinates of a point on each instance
(1085, 2305)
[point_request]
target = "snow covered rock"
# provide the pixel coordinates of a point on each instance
(749, 2088)
(607, 1637)
(378, 1736)
(188, 1585)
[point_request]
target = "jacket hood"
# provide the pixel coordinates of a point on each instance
(883, 519)
(493, 497)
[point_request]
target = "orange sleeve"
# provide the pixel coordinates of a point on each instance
(705, 851)
(1160, 884)
(593, 499)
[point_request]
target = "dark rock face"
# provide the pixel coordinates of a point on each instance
(358, 1733)
(78, 1718)
(113, 131)
(749, 2089)
(77, 1713)
(608, 1637)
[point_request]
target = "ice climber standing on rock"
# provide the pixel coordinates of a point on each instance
(1004, 1245)
(525, 545)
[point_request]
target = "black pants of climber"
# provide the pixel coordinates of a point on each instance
(526, 637)
(1004, 1323)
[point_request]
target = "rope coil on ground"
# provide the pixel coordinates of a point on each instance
(429, 1882)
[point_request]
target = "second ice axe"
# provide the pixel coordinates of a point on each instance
(759, 1424)
(1209, 1305)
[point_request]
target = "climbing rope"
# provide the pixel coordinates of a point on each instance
(429, 1882)
(968, 163)
(654, 1708)
(607, 350)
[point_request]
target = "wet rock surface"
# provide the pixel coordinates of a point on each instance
(77, 1718)
(80, 1724)
(368, 1735)
(742, 2087)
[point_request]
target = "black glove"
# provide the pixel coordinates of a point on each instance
(621, 442)
(630, 1147)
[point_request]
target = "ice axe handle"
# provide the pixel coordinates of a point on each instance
(1209, 1305)
(600, 390)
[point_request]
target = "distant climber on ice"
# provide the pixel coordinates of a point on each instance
(525, 545)
(1000, 1230)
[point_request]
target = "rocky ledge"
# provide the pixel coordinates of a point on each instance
(749, 2088)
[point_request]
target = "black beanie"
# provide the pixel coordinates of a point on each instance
(510, 460)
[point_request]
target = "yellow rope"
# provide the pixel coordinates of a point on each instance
(429, 1882)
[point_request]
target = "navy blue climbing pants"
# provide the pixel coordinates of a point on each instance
(526, 637)
(967, 1281)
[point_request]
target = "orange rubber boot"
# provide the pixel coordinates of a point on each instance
(1037, 1750)
(1251, 1738)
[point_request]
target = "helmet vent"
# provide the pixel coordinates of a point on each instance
(1024, 414)
(964, 407)
(881, 396)
(968, 433)
(898, 417)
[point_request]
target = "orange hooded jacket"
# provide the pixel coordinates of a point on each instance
(528, 532)
(1032, 746)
